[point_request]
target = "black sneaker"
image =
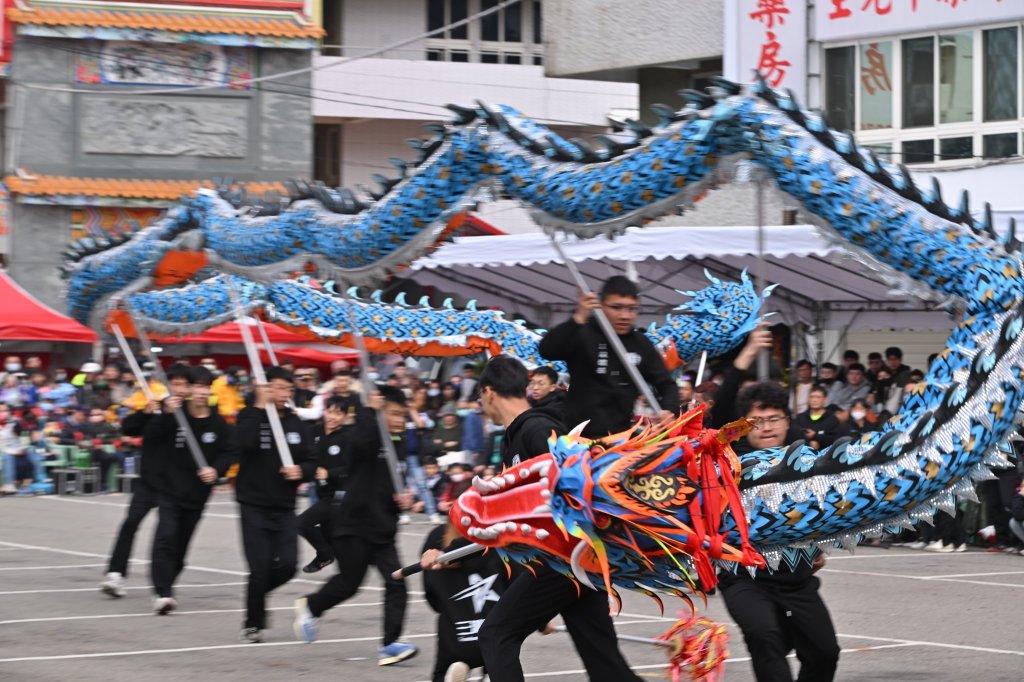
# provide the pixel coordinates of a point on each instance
(317, 564)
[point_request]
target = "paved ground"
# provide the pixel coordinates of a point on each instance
(901, 615)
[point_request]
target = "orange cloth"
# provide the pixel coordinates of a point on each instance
(137, 400)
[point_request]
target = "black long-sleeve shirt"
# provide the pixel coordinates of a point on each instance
(260, 481)
(600, 389)
(134, 425)
(177, 474)
(368, 509)
(328, 449)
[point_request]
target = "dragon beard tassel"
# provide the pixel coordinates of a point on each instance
(698, 649)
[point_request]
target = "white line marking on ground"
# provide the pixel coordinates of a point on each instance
(139, 587)
(561, 673)
(892, 555)
(42, 568)
(971, 575)
(919, 577)
(149, 614)
(18, 545)
(190, 567)
(941, 645)
(218, 647)
(124, 505)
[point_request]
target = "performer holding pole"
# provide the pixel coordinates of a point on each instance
(364, 525)
(382, 426)
(144, 495)
(266, 492)
(158, 369)
(533, 599)
(260, 378)
(605, 385)
(623, 311)
(182, 492)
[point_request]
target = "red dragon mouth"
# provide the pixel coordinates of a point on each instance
(514, 507)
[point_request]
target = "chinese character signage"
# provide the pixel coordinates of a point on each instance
(769, 36)
(848, 19)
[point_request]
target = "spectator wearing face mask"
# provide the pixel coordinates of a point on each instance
(12, 365)
(862, 419)
(456, 474)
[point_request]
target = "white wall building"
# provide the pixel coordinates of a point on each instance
(367, 102)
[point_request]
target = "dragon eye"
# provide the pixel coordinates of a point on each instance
(573, 502)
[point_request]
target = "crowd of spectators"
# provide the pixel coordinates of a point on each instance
(42, 408)
(452, 439)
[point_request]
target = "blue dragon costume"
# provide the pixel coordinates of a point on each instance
(649, 510)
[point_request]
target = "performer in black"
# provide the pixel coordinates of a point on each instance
(182, 490)
(364, 524)
(144, 496)
(266, 495)
(531, 601)
(331, 472)
(601, 390)
(462, 593)
(777, 610)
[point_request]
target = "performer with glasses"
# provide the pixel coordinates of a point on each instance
(777, 610)
(600, 389)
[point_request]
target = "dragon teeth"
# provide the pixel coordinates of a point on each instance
(466, 520)
(542, 534)
(509, 478)
(526, 528)
(542, 509)
(545, 493)
(524, 473)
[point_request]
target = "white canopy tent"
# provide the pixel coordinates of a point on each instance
(819, 287)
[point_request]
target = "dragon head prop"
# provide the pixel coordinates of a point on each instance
(639, 510)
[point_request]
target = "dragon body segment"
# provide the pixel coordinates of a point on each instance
(718, 318)
(795, 499)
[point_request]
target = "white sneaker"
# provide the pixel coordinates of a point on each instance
(457, 672)
(937, 546)
(435, 519)
(404, 519)
(113, 585)
(164, 605)
(960, 548)
(920, 544)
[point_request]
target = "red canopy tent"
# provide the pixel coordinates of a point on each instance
(229, 333)
(23, 318)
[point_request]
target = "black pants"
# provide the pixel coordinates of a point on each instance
(312, 527)
(529, 603)
(143, 499)
(997, 496)
(174, 531)
(775, 619)
(354, 556)
(271, 550)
